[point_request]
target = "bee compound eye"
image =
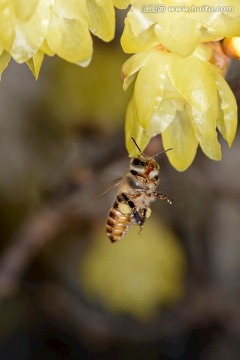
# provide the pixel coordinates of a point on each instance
(133, 172)
(138, 162)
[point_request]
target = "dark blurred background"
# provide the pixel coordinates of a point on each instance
(66, 292)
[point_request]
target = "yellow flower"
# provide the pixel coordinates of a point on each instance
(231, 47)
(31, 28)
(179, 25)
(185, 99)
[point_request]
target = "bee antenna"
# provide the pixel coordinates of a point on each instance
(162, 152)
(137, 146)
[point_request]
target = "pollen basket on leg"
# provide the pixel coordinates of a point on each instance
(148, 212)
(125, 209)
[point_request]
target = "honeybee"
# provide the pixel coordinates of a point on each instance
(137, 190)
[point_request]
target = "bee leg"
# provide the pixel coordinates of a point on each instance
(130, 204)
(140, 219)
(163, 197)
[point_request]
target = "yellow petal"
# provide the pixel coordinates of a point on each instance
(227, 124)
(30, 34)
(131, 67)
(70, 39)
(101, 18)
(174, 34)
(121, 4)
(46, 49)
(6, 26)
(204, 124)
(132, 43)
(227, 26)
(204, 52)
(138, 19)
(24, 9)
(149, 87)
(193, 79)
(133, 129)
(180, 136)
(71, 9)
(35, 63)
(4, 60)
(162, 117)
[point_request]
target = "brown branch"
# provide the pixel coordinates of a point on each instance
(36, 231)
(44, 224)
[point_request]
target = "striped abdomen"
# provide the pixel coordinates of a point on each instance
(118, 223)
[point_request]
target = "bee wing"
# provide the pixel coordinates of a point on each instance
(111, 187)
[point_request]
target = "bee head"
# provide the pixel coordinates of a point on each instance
(144, 164)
